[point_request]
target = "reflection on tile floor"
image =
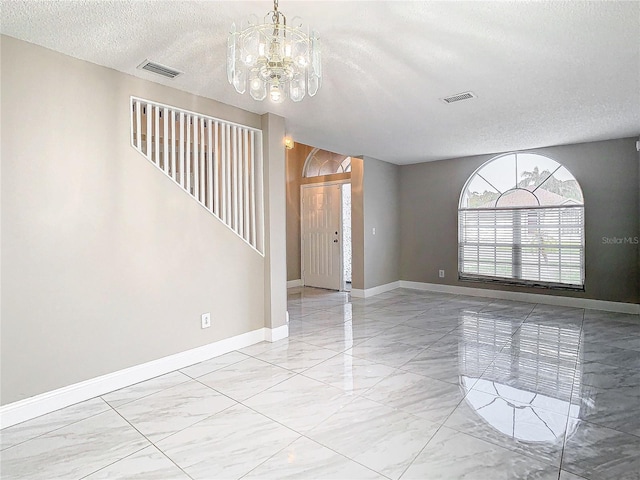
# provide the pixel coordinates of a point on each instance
(406, 384)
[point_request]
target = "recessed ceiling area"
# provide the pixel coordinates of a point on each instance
(544, 73)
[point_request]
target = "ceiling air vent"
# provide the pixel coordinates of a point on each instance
(459, 96)
(159, 69)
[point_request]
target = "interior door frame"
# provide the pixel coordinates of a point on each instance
(315, 185)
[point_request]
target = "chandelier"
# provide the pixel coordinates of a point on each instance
(271, 57)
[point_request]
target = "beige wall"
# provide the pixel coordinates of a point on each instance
(295, 159)
(275, 269)
(106, 264)
(294, 163)
(357, 224)
(608, 174)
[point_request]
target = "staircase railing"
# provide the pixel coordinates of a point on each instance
(218, 163)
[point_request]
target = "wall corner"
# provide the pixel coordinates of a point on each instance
(275, 248)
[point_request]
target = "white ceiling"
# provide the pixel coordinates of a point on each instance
(545, 73)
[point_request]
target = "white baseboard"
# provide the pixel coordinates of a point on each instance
(278, 333)
(47, 402)
(620, 307)
(370, 292)
(294, 283)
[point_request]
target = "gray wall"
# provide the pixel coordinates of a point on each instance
(381, 190)
(106, 264)
(608, 174)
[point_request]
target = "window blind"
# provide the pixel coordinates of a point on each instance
(526, 245)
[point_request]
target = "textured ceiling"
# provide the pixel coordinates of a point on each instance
(545, 73)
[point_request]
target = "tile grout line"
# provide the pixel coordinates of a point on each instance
(573, 386)
(186, 380)
(474, 436)
(55, 429)
(303, 435)
(304, 373)
(270, 457)
(133, 453)
(445, 420)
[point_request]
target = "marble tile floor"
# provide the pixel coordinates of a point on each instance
(403, 385)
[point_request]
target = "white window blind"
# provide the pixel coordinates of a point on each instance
(521, 221)
(527, 245)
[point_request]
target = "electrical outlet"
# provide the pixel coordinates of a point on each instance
(373, 230)
(206, 320)
(441, 273)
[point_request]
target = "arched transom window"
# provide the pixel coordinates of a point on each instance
(322, 162)
(521, 220)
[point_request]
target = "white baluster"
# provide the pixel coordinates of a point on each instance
(229, 161)
(245, 177)
(259, 194)
(235, 178)
(188, 156)
(138, 144)
(174, 150)
(156, 134)
(253, 191)
(148, 108)
(196, 159)
(223, 166)
(210, 165)
(216, 184)
(165, 138)
(182, 152)
(203, 198)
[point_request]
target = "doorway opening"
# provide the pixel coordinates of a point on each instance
(325, 221)
(326, 235)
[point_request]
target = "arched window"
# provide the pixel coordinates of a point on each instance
(321, 162)
(521, 220)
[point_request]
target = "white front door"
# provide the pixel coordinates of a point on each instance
(321, 236)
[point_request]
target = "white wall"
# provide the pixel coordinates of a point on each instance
(105, 263)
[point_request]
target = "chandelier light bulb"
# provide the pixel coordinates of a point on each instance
(276, 95)
(275, 57)
(256, 84)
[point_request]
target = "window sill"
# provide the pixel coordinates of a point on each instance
(520, 283)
